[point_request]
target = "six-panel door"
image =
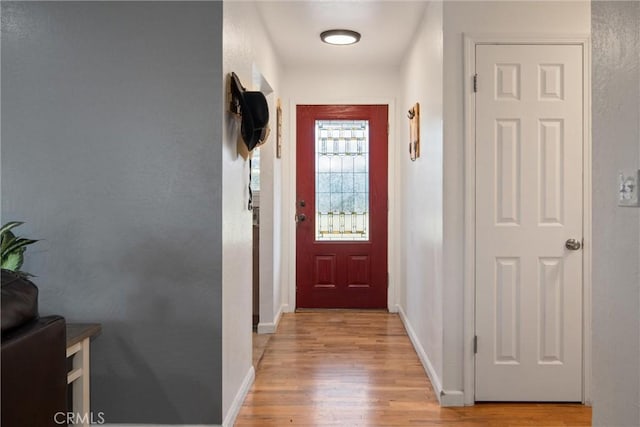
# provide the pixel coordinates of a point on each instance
(529, 143)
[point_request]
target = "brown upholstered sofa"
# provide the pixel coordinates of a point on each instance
(33, 358)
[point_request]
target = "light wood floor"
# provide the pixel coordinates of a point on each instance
(260, 342)
(346, 368)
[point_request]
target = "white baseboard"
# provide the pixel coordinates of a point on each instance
(422, 355)
(445, 397)
(451, 398)
(239, 399)
(162, 425)
(270, 328)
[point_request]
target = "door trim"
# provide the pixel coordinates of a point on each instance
(289, 193)
(470, 43)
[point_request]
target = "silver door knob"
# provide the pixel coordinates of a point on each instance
(573, 244)
(300, 217)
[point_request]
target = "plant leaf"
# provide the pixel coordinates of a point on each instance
(8, 226)
(12, 249)
(17, 244)
(13, 261)
(7, 238)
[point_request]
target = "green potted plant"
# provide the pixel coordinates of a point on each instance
(12, 248)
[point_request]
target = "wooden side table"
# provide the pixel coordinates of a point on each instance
(78, 340)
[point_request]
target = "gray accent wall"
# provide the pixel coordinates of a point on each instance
(111, 153)
(616, 230)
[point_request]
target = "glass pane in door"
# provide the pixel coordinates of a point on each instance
(342, 179)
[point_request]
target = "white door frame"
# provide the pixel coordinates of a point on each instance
(470, 42)
(289, 195)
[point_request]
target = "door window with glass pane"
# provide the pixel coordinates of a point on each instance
(342, 179)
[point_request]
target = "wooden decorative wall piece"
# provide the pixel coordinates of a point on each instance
(414, 131)
(278, 129)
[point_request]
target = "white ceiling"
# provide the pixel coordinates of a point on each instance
(386, 27)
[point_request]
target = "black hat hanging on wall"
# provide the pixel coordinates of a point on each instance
(253, 108)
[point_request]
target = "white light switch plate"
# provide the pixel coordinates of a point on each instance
(628, 187)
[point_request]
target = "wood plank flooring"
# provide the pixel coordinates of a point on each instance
(260, 342)
(343, 368)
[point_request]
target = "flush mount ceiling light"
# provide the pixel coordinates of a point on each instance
(340, 37)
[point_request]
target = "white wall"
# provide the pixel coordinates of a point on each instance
(421, 197)
(517, 17)
(270, 220)
(334, 85)
(247, 52)
(270, 233)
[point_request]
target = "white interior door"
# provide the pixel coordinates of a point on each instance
(529, 184)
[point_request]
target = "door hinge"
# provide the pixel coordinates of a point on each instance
(475, 344)
(475, 82)
(388, 279)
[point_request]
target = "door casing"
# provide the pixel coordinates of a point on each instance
(470, 43)
(289, 192)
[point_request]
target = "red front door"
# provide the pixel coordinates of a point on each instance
(341, 239)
